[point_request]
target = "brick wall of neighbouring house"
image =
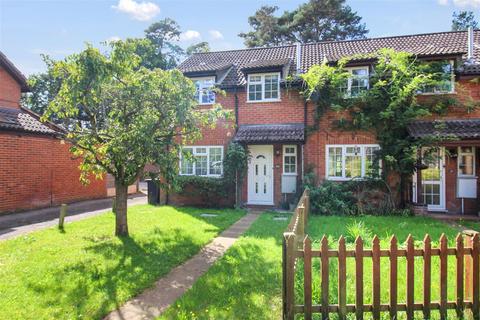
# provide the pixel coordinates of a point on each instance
(38, 171)
(9, 90)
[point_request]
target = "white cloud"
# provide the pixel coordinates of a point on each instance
(215, 34)
(142, 11)
(467, 3)
(190, 35)
(461, 3)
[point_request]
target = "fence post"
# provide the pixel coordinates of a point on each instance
(289, 275)
(427, 275)
(459, 284)
(376, 278)
(443, 276)
(301, 231)
(359, 278)
(306, 205)
(393, 277)
(468, 264)
(61, 218)
(410, 277)
(324, 276)
(307, 277)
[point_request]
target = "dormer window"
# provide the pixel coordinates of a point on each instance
(263, 87)
(204, 93)
(357, 82)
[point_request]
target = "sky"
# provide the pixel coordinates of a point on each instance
(58, 28)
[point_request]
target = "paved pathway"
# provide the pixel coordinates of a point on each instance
(15, 224)
(152, 302)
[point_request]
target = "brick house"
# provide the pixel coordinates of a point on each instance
(36, 166)
(271, 118)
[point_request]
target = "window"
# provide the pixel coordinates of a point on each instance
(357, 83)
(444, 77)
(263, 87)
(466, 161)
(290, 160)
(345, 162)
(204, 93)
(202, 161)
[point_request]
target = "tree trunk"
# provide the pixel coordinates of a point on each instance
(121, 192)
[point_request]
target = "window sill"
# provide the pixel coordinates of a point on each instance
(204, 176)
(436, 93)
(290, 174)
(206, 104)
(264, 101)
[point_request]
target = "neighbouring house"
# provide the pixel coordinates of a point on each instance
(36, 166)
(271, 118)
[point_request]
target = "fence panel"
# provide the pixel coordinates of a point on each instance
(466, 277)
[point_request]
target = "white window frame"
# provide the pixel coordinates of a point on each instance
(344, 149)
(452, 78)
(294, 154)
(348, 93)
(201, 87)
(459, 152)
(262, 76)
(194, 153)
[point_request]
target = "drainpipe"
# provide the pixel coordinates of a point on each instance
(236, 108)
(470, 44)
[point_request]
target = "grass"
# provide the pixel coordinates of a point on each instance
(474, 225)
(85, 272)
(246, 282)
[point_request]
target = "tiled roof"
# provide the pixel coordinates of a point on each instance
(461, 129)
(271, 133)
(424, 45)
(19, 119)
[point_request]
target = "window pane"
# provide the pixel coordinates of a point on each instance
(186, 164)
(334, 161)
(353, 166)
(370, 157)
(215, 160)
(290, 164)
(465, 165)
(201, 165)
(271, 86)
(255, 92)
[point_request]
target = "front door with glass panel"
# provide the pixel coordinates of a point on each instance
(260, 175)
(433, 180)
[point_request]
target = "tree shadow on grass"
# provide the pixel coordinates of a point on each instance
(92, 286)
(243, 284)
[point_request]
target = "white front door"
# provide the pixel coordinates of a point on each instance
(260, 175)
(433, 182)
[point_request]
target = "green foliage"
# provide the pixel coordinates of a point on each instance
(235, 164)
(163, 35)
(86, 272)
(200, 47)
(209, 189)
(316, 20)
(119, 116)
(332, 198)
(462, 20)
(388, 107)
(43, 89)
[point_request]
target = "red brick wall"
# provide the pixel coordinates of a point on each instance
(38, 171)
(9, 90)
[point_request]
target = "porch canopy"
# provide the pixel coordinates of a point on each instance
(452, 130)
(271, 133)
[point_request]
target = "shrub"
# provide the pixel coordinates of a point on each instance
(210, 190)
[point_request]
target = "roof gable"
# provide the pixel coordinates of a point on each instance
(14, 72)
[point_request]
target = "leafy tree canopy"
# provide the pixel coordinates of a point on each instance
(316, 20)
(119, 116)
(200, 47)
(462, 20)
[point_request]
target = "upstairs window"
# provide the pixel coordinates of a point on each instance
(204, 93)
(444, 77)
(263, 87)
(357, 82)
(466, 161)
(345, 162)
(202, 161)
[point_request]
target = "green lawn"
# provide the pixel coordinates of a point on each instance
(474, 225)
(246, 282)
(86, 272)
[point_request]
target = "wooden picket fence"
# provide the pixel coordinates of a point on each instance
(297, 245)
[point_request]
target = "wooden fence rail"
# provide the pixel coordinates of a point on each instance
(298, 246)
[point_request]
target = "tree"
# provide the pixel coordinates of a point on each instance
(314, 21)
(163, 35)
(119, 116)
(43, 89)
(462, 20)
(200, 47)
(387, 108)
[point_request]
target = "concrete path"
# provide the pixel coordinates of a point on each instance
(152, 302)
(15, 224)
